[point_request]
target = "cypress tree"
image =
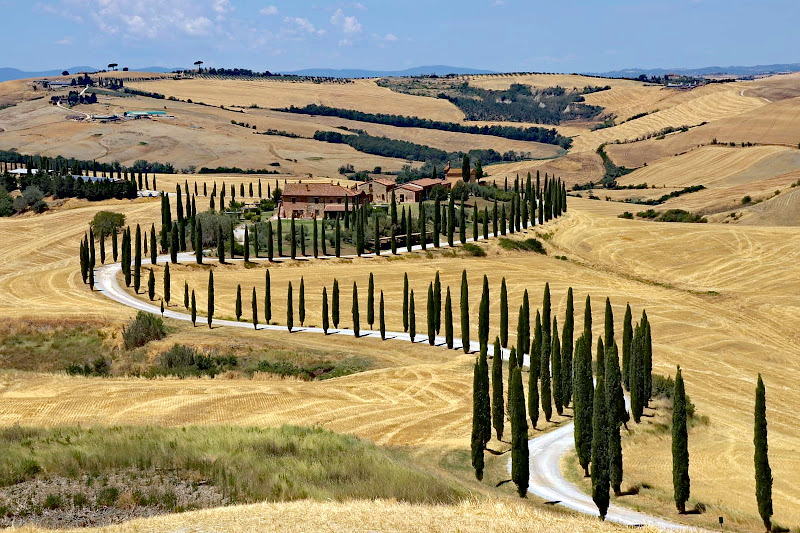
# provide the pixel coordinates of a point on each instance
(600, 363)
(448, 320)
(289, 310)
(303, 241)
(437, 308)
(627, 339)
(267, 298)
(587, 319)
(498, 410)
(166, 284)
(151, 285)
(210, 313)
(608, 340)
(335, 304)
(301, 305)
(615, 403)
(102, 248)
(512, 218)
(174, 244)
(325, 323)
(324, 240)
(186, 294)
(238, 303)
(356, 316)
(475, 222)
(555, 361)
(761, 457)
(600, 466)
(483, 314)
(503, 219)
(293, 240)
(114, 245)
(280, 238)
(647, 365)
(520, 457)
(409, 232)
(451, 219)
(382, 319)
(567, 348)
(544, 374)
(270, 249)
(525, 344)
(520, 336)
(533, 374)
(485, 222)
(680, 445)
(371, 301)
(635, 374)
(546, 318)
(405, 302)
(412, 317)
(503, 314)
(393, 239)
(494, 219)
(437, 223)
(137, 260)
(476, 442)
(464, 312)
(194, 310)
(431, 319)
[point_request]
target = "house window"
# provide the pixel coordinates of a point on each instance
(316, 199)
(338, 200)
(294, 199)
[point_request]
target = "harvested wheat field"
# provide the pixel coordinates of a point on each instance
(364, 95)
(380, 515)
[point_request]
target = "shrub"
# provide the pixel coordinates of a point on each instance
(650, 213)
(746, 200)
(474, 250)
(627, 215)
(143, 329)
(663, 387)
(185, 361)
(107, 222)
(528, 245)
(33, 194)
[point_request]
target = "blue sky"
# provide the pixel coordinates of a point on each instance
(502, 35)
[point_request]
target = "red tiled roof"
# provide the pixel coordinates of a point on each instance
(428, 182)
(384, 181)
(410, 186)
(316, 189)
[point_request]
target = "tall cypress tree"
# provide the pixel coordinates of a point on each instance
(520, 457)
(761, 457)
(267, 299)
(680, 445)
(153, 245)
(405, 302)
(635, 374)
(503, 314)
(301, 305)
(431, 319)
(437, 309)
(483, 314)
(647, 362)
(600, 362)
(325, 324)
(371, 301)
(382, 319)
(279, 237)
(338, 239)
(194, 310)
(546, 318)
(566, 348)
(186, 294)
(437, 223)
(544, 374)
(615, 402)
(356, 314)
(627, 339)
(498, 410)
(198, 242)
(137, 265)
(555, 361)
(114, 245)
(587, 319)
(600, 467)
(293, 241)
(238, 303)
(451, 221)
(335, 304)
(448, 320)
(289, 309)
(210, 309)
(464, 312)
(412, 317)
(533, 374)
(167, 284)
(174, 244)
(583, 398)
(608, 339)
(476, 442)
(151, 285)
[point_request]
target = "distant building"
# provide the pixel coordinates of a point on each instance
(378, 189)
(454, 175)
(428, 185)
(408, 193)
(309, 200)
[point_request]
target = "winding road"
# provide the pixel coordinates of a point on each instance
(546, 451)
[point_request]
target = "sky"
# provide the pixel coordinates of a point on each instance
(498, 35)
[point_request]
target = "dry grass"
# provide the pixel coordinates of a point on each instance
(380, 515)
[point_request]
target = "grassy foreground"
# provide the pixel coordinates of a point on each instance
(93, 470)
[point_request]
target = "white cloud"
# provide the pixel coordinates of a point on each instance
(300, 25)
(349, 25)
(390, 37)
(64, 42)
(345, 42)
(497, 3)
(222, 6)
(269, 10)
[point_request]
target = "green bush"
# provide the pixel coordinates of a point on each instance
(474, 250)
(627, 215)
(528, 245)
(143, 329)
(664, 387)
(107, 222)
(183, 361)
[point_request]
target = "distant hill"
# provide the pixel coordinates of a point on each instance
(8, 73)
(705, 71)
(361, 73)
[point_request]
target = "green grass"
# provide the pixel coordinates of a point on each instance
(245, 464)
(45, 348)
(528, 245)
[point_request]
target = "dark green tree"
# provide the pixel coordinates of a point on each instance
(555, 361)
(544, 374)
(477, 445)
(210, 313)
(483, 314)
(246, 245)
(371, 301)
(448, 320)
(437, 308)
(356, 314)
(238, 303)
(175, 244)
(498, 410)
(382, 319)
(153, 245)
(503, 314)
(254, 306)
(289, 310)
(567, 346)
(186, 294)
(405, 302)
(151, 285)
(680, 445)
(583, 398)
(431, 319)
(600, 467)
(600, 362)
(546, 318)
(761, 457)
(137, 260)
(627, 339)
(194, 310)
(412, 317)
(301, 305)
(464, 312)
(617, 415)
(520, 457)
(267, 299)
(325, 324)
(167, 283)
(335, 304)
(587, 319)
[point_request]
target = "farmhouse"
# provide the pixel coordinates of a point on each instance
(454, 175)
(378, 189)
(309, 200)
(408, 193)
(428, 184)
